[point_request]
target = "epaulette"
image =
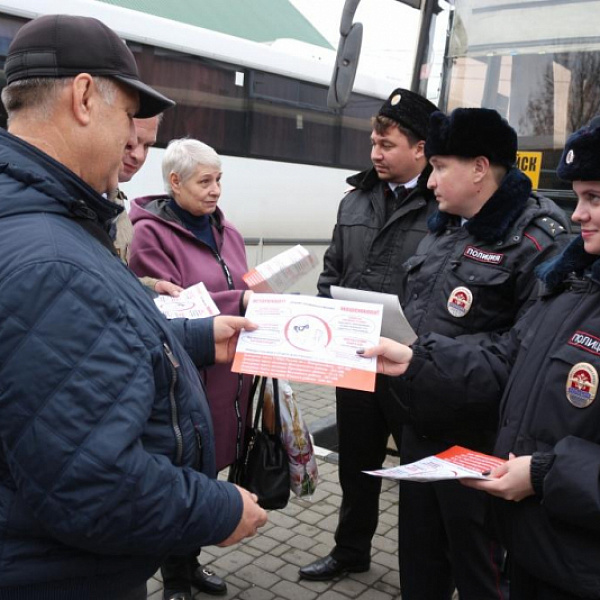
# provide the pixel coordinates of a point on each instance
(551, 226)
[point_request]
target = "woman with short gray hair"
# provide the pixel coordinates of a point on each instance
(183, 237)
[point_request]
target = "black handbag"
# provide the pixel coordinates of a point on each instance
(263, 467)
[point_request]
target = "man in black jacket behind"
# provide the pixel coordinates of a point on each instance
(379, 226)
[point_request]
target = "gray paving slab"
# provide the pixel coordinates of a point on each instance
(265, 567)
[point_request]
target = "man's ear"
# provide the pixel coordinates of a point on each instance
(419, 149)
(481, 165)
(84, 95)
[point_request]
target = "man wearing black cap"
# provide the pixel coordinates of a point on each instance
(379, 225)
(106, 448)
(472, 276)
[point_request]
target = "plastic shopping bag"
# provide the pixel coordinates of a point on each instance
(304, 473)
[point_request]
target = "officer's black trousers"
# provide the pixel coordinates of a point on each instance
(364, 422)
(443, 538)
(524, 586)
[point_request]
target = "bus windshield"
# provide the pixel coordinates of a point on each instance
(537, 63)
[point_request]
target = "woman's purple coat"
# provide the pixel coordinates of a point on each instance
(163, 248)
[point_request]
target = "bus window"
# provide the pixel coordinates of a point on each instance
(210, 106)
(271, 117)
(537, 63)
(244, 111)
(355, 146)
(290, 120)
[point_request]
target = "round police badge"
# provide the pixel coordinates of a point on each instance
(460, 301)
(582, 385)
(395, 99)
(570, 156)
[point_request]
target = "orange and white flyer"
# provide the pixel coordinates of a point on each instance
(455, 463)
(304, 338)
(193, 303)
(279, 273)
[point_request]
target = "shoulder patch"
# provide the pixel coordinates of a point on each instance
(550, 226)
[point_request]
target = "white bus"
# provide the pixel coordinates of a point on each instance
(285, 154)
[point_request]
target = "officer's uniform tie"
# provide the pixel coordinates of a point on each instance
(395, 200)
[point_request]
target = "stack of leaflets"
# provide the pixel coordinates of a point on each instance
(282, 271)
(455, 463)
(193, 303)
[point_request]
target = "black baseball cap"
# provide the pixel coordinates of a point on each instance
(65, 45)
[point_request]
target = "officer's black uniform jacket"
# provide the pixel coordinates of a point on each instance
(490, 260)
(366, 251)
(547, 365)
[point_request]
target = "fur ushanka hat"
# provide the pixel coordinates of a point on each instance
(580, 160)
(471, 132)
(409, 110)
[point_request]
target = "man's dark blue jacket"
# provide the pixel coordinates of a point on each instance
(104, 425)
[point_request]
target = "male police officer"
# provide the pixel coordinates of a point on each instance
(471, 276)
(379, 225)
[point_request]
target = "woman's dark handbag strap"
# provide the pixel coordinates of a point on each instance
(261, 402)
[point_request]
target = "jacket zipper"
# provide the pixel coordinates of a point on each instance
(238, 414)
(236, 403)
(226, 271)
(174, 364)
(200, 448)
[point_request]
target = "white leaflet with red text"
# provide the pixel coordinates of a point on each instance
(455, 463)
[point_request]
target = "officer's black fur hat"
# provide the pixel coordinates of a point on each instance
(409, 110)
(580, 160)
(471, 132)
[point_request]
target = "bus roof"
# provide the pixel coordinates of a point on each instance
(259, 20)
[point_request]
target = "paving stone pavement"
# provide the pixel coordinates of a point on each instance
(265, 567)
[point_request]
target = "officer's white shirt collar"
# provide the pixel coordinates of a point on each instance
(409, 185)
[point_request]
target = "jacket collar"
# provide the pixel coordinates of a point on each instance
(497, 215)
(573, 259)
(367, 180)
(46, 178)
(158, 206)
